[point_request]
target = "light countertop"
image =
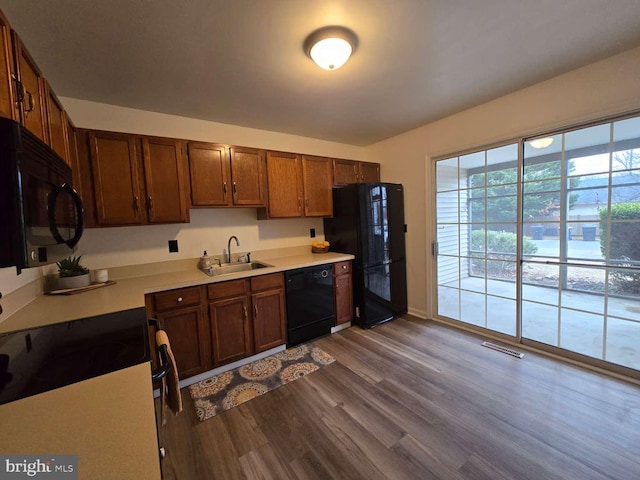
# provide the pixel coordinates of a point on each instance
(129, 293)
(108, 421)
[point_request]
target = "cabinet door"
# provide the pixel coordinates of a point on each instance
(247, 177)
(345, 172)
(209, 175)
(56, 124)
(72, 153)
(269, 319)
(230, 330)
(344, 298)
(7, 85)
(30, 90)
(114, 164)
(188, 335)
(284, 174)
(369, 172)
(316, 180)
(164, 180)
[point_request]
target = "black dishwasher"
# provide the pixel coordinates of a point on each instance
(310, 308)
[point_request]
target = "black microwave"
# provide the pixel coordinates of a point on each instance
(41, 215)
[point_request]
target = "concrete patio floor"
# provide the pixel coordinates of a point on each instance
(578, 325)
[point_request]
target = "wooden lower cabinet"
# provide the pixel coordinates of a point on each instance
(343, 291)
(182, 315)
(246, 316)
(269, 319)
(220, 323)
(186, 329)
(230, 330)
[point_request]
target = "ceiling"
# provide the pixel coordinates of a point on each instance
(242, 62)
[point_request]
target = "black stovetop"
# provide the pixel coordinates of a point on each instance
(41, 359)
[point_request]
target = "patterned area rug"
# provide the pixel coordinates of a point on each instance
(229, 389)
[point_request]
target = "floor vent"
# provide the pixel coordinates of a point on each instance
(502, 349)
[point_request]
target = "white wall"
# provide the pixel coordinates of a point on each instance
(604, 88)
(209, 228)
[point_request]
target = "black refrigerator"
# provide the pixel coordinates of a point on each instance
(368, 222)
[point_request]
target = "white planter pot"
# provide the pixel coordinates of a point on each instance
(74, 282)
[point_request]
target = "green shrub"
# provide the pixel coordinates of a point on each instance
(624, 243)
(501, 252)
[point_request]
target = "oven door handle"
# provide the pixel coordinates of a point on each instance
(53, 225)
(160, 372)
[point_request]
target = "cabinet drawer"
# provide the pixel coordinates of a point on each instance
(176, 298)
(228, 289)
(264, 282)
(342, 267)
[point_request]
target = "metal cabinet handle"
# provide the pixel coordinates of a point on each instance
(149, 203)
(255, 310)
(299, 203)
(179, 299)
(245, 311)
(224, 188)
(136, 203)
(235, 190)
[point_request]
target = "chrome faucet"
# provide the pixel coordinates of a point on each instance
(229, 246)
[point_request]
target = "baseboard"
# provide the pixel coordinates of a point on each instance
(418, 313)
(340, 327)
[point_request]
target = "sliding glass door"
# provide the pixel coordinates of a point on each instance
(539, 240)
(581, 287)
(476, 205)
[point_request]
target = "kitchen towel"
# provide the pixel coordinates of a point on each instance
(170, 388)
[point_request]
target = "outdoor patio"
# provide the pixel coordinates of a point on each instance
(579, 325)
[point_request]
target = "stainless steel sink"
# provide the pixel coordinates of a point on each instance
(228, 268)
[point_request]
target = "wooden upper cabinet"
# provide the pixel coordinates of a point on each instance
(284, 175)
(247, 177)
(351, 171)
(56, 123)
(209, 173)
(345, 172)
(225, 177)
(30, 91)
(316, 179)
(115, 159)
(164, 180)
(298, 185)
(8, 106)
(369, 172)
(137, 180)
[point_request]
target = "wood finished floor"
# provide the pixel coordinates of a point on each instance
(417, 400)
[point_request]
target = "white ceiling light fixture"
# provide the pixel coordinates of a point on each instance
(540, 143)
(331, 47)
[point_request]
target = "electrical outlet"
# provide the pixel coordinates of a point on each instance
(312, 232)
(173, 246)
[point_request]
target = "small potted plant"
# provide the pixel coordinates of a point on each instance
(72, 274)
